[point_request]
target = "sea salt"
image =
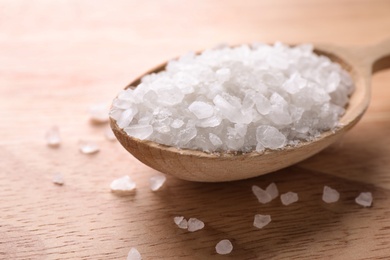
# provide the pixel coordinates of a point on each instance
(272, 190)
(99, 113)
(134, 254)
(289, 198)
(247, 98)
(53, 138)
(58, 179)
(88, 147)
(123, 184)
(261, 221)
(364, 199)
(224, 247)
(181, 222)
(156, 182)
(330, 195)
(195, 224)
(261, 195)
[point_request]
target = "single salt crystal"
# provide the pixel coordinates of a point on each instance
(270, 137)
(139, 131)
(272, 190)
(261, 195)
(224, 247)
(99, 113)
(58, 179)
(134, 254)
(289, 198)
(123, 184)
(156, 182)
(53, 138)
(88, 147)
(201, 109)
(181, 222)
(261, 221)
(215, 140)
(330, 195)
(177, 123)
(364, 199)
(195, 224)
(109, 134)
(127, 117)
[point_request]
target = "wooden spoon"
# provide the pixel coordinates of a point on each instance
(193, 165)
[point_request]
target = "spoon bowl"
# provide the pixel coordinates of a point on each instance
(200, 166)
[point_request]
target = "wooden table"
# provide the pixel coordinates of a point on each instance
(59, 57)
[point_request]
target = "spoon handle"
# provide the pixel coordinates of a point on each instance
(380, 55)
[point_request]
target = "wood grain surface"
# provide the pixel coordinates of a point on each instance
(59, 57)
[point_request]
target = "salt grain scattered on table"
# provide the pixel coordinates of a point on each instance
(181, 222)
(123, 184)
(195, 224)
(156, 182)
(244, 98)
(134, 254)
(289, 198)
(99, 113)
(87, 147)
(53, 138)
(109, 134)
(330, 195)
(261, 221)
(58, 179)
(364, 199)
(261, 195)
(272, 190)
(224, 247)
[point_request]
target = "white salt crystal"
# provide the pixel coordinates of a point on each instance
(330, 195)
(58, 179)
(134, 254)
(88, 147)
(364, 199)
(156, 182)
(289, 198)
(139, 131)
(261, 195)
(224, 247)
(181, 222)
(53, 138)
(261, 221)
(109, 134)
(201, 109)
(99, 113)
(270, 137)
(279, 95)
(195, 224)
(123, 184)
(272, 190)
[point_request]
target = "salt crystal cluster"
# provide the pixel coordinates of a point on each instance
(237, 99)
(123, 184)
(224, 247)
(364, 199)
(261, 221)
(330, 195)
(134, 254)
(265, 196)
(289, 198)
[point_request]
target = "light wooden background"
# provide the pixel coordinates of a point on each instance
(59, 57)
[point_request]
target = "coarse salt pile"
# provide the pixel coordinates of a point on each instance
(237, 99)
